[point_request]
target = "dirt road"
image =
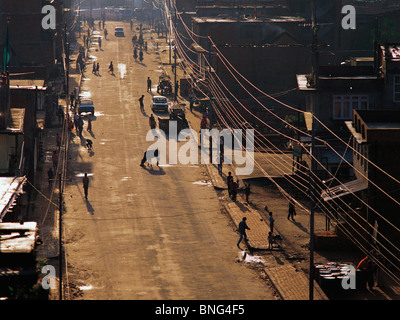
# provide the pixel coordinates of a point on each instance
(144, 233)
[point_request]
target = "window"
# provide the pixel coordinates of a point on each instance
(396, 88)
(343, 106)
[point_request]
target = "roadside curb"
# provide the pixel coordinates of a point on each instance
(293, 284)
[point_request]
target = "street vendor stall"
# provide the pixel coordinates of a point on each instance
(331, 276)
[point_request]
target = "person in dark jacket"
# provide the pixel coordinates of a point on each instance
(242, 230)
(85, 182)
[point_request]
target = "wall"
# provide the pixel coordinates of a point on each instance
(31, 45)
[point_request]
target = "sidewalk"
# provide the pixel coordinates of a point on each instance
(46, 205)
(292, 284)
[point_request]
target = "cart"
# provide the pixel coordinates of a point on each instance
(177, 113)
(163, 124)
(164, 86)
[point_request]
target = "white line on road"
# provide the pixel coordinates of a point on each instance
(122, 69)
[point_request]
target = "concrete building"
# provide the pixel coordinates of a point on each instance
(266, 51)
(376, 141)
(31, 45)
(360, 84)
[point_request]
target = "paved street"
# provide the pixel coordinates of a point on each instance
(144, 233)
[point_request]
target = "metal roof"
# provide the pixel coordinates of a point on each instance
(10, 189)
(344, 189)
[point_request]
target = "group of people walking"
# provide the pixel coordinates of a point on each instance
(242, 227)
(96, 68)
(78, 124)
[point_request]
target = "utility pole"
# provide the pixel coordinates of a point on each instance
(312, 153)
(314, 46)
(60, 235)
(312, 207)
(67, 76)
(169, 41)
(175, 87)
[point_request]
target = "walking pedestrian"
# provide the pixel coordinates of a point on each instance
(247, 192)
(234, 190)
(85, 181)
(80, 127)
(242, 230)
(368, 269)
(89, 126)
(221, 161)
(94, 67)
(141, 55)
(111, 68)
(72, 98)
(152, 122)
(144, 159)
(141, 103)
(105, 34)
(76, 119)
(58, 140)
(191, 100)
(148, 84)
(271, 222)
(292, 210)
(70, 125)
(99, 42)
(54, 159)
(229, 180)
(98, 68)
(50, 175)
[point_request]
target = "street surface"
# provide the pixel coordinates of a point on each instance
(144, 233)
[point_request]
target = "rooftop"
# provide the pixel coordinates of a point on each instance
(17, 237)
(247, 20)
(29, 84)
(375, 126)
(10, 189)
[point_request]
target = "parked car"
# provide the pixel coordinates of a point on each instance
(159, 103)
(119, 32)
(86, 106)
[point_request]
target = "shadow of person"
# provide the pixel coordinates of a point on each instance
(300, 226)
(83, 140)
(150, 169)
(89, 207)
(241, 206)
